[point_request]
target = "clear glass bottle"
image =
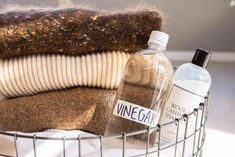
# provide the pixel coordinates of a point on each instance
(145, 84)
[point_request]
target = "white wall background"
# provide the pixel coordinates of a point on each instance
(209, 24)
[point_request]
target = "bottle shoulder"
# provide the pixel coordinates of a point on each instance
(193, 78)
(192, 69)
(148, 66)
(150, 53)
(149, 58)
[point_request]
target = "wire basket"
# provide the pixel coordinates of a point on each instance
(190, 127)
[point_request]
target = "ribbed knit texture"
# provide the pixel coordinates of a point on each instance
(39, 73)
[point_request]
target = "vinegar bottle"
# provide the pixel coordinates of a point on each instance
(145, 84)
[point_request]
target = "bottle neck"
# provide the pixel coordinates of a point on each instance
(154, 46)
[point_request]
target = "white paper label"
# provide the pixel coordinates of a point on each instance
(136, 113)
(180, 102)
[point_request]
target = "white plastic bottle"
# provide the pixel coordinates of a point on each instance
(144, 87)
(191, 84)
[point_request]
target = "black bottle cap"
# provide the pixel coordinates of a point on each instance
(201, 58)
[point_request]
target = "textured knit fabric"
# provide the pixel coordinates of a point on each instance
(39, 73)
(75, 31)
(77, 108)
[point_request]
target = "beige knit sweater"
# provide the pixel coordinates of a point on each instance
(38, 73)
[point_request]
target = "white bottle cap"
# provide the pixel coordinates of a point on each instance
(158, 37)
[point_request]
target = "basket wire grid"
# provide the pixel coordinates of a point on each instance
(198, 135)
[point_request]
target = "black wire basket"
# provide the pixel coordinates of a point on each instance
(189, 141)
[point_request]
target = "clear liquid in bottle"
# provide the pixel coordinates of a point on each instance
(143, 90)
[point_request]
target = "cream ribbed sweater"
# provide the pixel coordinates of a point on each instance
(38, 73)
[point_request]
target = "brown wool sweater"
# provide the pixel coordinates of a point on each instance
(78, 108)
(75, 31)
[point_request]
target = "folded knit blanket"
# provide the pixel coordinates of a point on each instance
(39, 73)
(78, 108)
(75, 31)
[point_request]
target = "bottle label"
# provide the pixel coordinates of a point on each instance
(180, 102)
(136, 113)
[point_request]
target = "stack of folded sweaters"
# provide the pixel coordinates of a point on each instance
(60, 68)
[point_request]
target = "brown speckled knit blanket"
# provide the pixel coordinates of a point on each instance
(75, 31)
(78, 108)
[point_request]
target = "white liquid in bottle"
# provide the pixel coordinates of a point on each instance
(190, 85)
